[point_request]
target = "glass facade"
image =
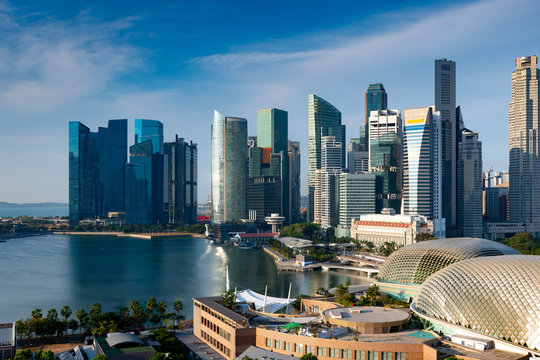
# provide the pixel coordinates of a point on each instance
(83, 173)
(495, 296)
(235, 169)
(375, 99)
(149, 130)
(217, 166)
(386, 164)
(112, 149)
(139, 208)
(356, 197)
(324, 120)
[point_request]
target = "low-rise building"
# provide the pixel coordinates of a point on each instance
(8, 341)
(381, 228)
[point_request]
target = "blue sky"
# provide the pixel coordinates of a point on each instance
(178, 61)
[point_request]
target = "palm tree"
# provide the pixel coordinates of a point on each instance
(95, 310)
(82, 316)
(161, 308)
(66, 313)
(150, 306)
(52, 314)
(134, 305)
(178, 306)
(36, 314)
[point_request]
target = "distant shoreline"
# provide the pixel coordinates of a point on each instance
(132, 235)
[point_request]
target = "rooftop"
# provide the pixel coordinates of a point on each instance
(213, 302)
(254, 352)
(7, 334)
(366, 314)
(198, 347)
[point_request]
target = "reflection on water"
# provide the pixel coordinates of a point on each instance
(52, 271)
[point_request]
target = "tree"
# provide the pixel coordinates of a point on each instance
(104, 328)
(82, 316)
(161, 309)
(95, 310)
(452, 357)
(387, 248)
(101, 357)
(66, 312)
(52, 314)
(228, 299)
(72, 325)
(44, 355)
(424, 236)
(36, 314)
(525, 243)
(25, 354)
(308, 356)
(150, 306)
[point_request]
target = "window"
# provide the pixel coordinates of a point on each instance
(288, 346)
(321, 351)
(359, 355)
(400, 356)
(372, 355)
(278, 344)
(310, 349)
(334, 352)
(347, 354)
(298, 348)
(386, 355)
(268, 342)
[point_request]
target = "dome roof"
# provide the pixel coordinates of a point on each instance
(496, 296)
(412, 264)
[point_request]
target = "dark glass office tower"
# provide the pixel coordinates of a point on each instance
(150, 130)
(386, 164)
(375, 99)
(181, 168)
(112, 150)
(83, 173)
(139, 209)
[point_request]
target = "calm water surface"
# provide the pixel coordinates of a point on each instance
(34, 211)
(57, 270)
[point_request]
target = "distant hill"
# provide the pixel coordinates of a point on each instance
(4, 204)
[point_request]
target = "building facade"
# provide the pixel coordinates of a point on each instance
(469, 185)
(139, 179)
(445, 104)
(357, 158)
(524, 142)
(150, 130)
(324, 120)
(375, 99)
(181, 169)
(383, 122)
(294, 181)
(331, 166)
(356, 197)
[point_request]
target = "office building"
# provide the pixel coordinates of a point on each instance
(272, 133)
(83, 173)
(264, 197)
(112, 153)
(324, 120)
(139, 179)
(331, 167)
(382, 122)
(181, 168)
(357, 158)
(150, 130)
(524, 143)
(252, 141)
(294, 181)
(356, 197)
(445, 104)
(375, 99)
(494, 178)
(385, 158)
(422, 165)
(229, 168)
(496, 203)
(469, 185)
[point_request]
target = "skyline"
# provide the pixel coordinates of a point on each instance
(84, 66)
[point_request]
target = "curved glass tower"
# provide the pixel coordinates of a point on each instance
(217, 167)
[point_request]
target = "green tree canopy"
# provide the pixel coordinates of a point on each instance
(308, 356)
(525, 243)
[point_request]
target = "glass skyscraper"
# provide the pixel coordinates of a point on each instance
(375, 99)
(229, 168)
(324, 120)
(112, 150)
(150, 130)
(83, 173)
(139, 208)
(386, 164)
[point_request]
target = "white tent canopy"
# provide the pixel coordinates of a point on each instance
(273, 304)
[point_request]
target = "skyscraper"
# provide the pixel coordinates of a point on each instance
(386, 165)
(331, 167)
(272, 132)
(150, 130)
(83, 173)
(445, 103)
(229, 168)
(469, 185)
(422, 165)
(139, 179)
(112, 152)
(324, 120)
(294, 181)
(356, 197)
(375, 99)
(524, 143)
(357, 158)
(181, 168)
(382, 122)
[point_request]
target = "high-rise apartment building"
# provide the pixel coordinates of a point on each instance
(139, 184)
(83, 173)
(112, 152)
(524, 143)
(445, 104)
(324, 120)
(375, 99)
(229, 168)
(422, 165)
(294, 181)
(181, 169)
(469, 202)
(331, 167)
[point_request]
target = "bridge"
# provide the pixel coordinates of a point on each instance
(359, 261)
(368, 270)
